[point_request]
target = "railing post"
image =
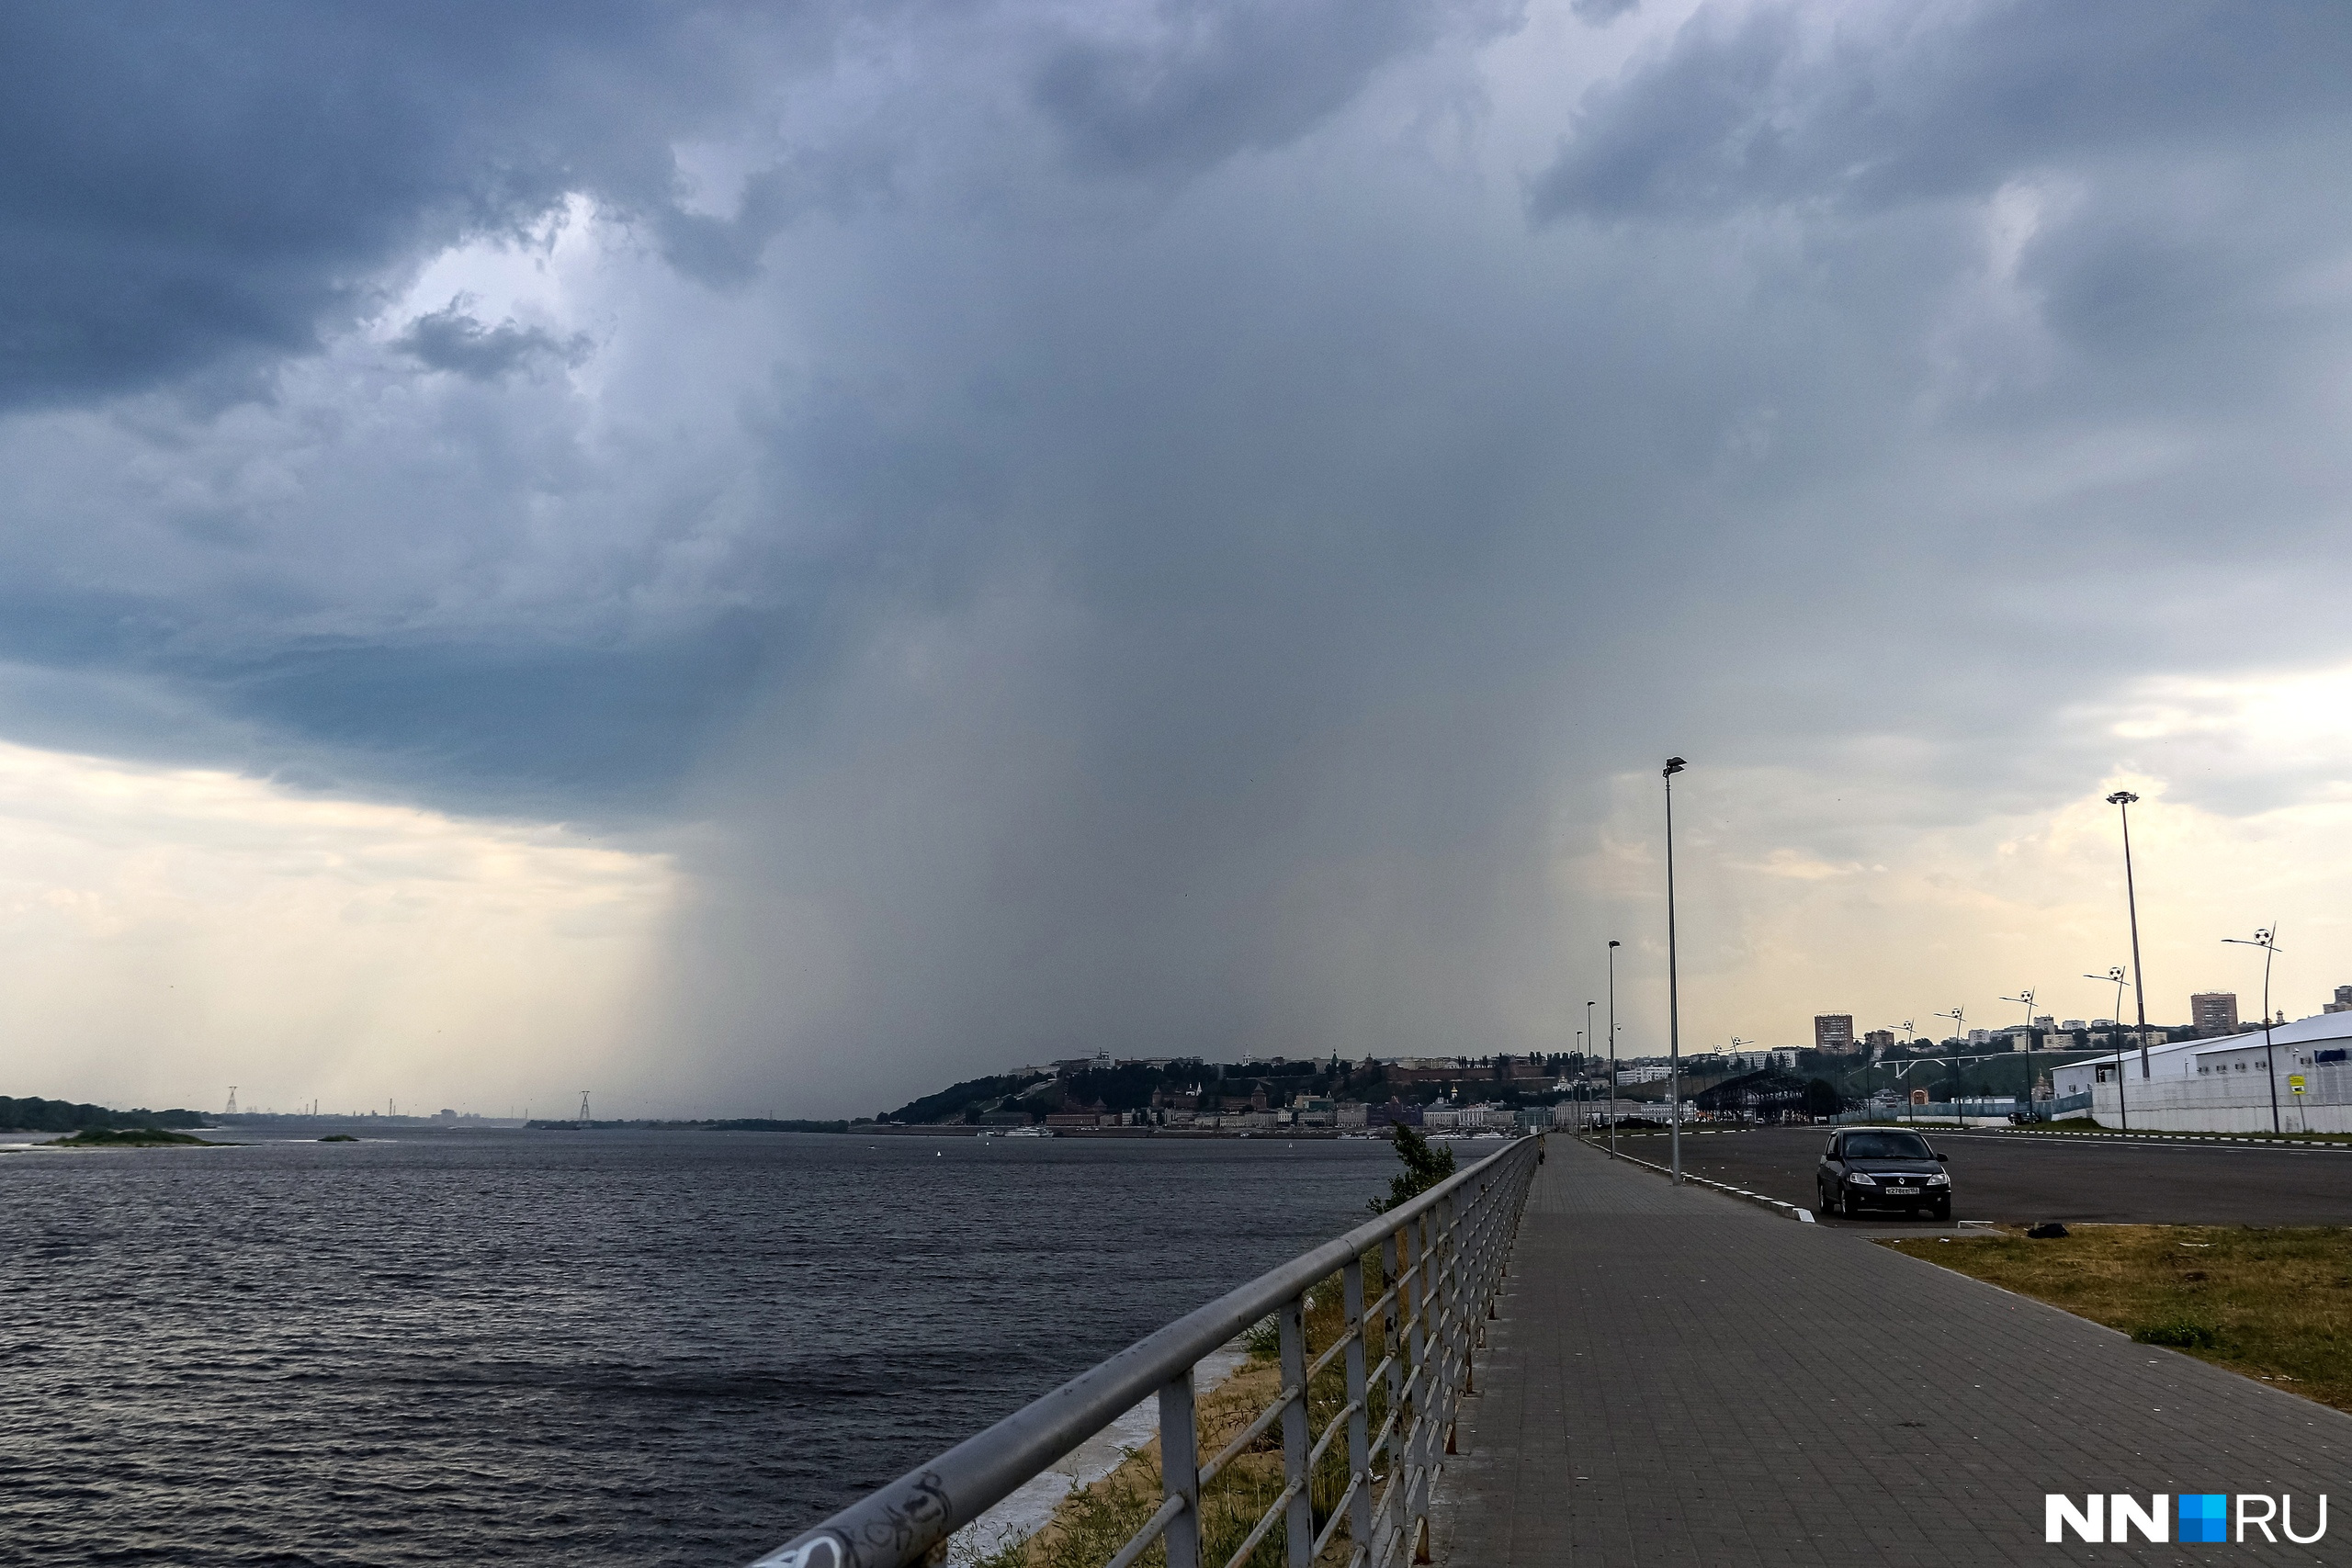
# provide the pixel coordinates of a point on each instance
(1398, 1346)
(1359, 1395)
(1428, 1367)
(1457, 1314)
(1298, 1519)
(1180, 1469)
(1463, 1277)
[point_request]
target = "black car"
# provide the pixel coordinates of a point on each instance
(1881, 1167)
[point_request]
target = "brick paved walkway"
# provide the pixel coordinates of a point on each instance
(1679, 1378)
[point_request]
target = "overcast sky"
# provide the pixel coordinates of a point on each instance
(759, 558)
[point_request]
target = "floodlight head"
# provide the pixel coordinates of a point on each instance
(1674, 765)
(2123, 797)
(1616, 944)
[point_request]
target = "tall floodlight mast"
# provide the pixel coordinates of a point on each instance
(1611, 1113)
(1673, 993)
(2123, 800)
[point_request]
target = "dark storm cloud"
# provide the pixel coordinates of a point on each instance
(1775, 104)
(497, 730)
(185, 203)
(725, 252)
(180, 185)
(1340, 554)
(450, 339)
(1209, 80)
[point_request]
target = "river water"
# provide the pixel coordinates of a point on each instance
(592, 1348)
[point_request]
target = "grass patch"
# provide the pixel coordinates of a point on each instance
(130, 1138)
(2272, 1303)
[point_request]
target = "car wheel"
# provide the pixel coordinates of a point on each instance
(1941, 1210)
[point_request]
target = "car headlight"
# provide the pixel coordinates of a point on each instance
(1939, 1181)
(1861, 1178)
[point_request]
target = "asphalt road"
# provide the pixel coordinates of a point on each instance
(2027, 1178)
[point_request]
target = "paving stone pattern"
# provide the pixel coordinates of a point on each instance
(1675, 1377)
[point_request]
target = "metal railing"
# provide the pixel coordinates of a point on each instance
(1436, 1262)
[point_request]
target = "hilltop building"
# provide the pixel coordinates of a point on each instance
(2214, 1012)
(1833, 1033)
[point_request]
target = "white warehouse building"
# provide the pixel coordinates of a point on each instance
(2225, 1085)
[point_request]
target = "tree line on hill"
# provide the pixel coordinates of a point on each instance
(1132, 1085)
(34, 1114)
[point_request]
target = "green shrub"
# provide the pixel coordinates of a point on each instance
(2182, 1334)
(1424, 1168)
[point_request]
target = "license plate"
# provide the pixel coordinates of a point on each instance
(1903, 1191)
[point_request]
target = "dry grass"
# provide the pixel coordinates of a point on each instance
(2271, 1303)
(1095, 1520)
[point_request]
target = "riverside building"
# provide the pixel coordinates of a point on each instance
(2226, 1084)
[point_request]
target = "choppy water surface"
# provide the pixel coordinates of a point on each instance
(591, 1349)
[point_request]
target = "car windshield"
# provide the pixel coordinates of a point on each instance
(1887, 1145)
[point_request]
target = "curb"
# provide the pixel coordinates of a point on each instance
(1803, 1216)
(2209, 1140)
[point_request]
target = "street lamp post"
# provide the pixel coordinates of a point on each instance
(1576, 1126)
(2025, 997)
(2123, 800)
(1590, 1039)
(1959, 1016)
(1612, 1050)
(1673, 995)
(1910, 1042)
(2115, 1024)
(2265, 938)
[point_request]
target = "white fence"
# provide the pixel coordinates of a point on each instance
(2232, 1101)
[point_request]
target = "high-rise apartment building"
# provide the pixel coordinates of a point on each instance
(1879, 1042)
(2343, 1002)
(1833, 1033)
(2214, 1012)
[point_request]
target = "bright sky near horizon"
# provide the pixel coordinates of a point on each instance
(759, 561)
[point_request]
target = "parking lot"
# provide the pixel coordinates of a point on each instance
(2028, 1178)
